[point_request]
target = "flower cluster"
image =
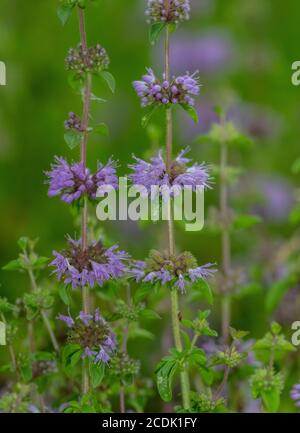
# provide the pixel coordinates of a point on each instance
(168, 11)
(179, 90)
(295, 394)
(73, 122)
(93, 265)
(180, 271)
(71, 182)
(122, 366)
(154, 173)
(92, 334)
(81, 61)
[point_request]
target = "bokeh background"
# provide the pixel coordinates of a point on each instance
(243, 50)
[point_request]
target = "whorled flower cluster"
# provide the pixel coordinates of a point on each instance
(295, 394)
(81, 61)
(87, 267)
(93, 334)
(72, 181)
(179, 271)
(179, 90)
(168, 11)
(73, 122)
(154, 173)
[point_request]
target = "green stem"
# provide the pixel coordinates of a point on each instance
(226, 242)
(83, 156)
(184, 378)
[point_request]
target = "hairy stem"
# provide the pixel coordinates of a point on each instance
(50, 331)
(184, 378)
(226, 244)
(83, 154)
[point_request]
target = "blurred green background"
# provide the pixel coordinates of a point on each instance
(244, 52)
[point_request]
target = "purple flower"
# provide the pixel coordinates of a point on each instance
(203, 272)
(71, 182)
(138, 270)
(95, 265)
(170, 11)
(295, 394)
(92, 334)
(180, 90)
(85, 318)
(179, 271)
(154, 173)
(67, 319)
(102, 356)
(180, 283)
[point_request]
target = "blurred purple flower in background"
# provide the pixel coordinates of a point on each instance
(261, 123)
(210, 52)
(277, 198)
(295, 394)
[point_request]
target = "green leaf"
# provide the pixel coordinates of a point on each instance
(237, 335)
(64, 11)
(97, 373)
(164, 378)
(97, 98)
(277, 291)
(141, 333)
(296, 166)
(150, 314)
(73, 138)
(40, 262)
(109, 79)
(44, 356)
(76, 81)
(204, 291)
(141, 293)
(64, 294)
(271, 399)
(71, 355)
(23, 242)
(14, 265)
(147, 117)
(197, 356)
(102, 129)
(26, 371)
(154, 32)
(172, 27)
(246, 221)
(206, 374)
(295, 215)
(275, 328)
(191, 111)
(2, 334)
